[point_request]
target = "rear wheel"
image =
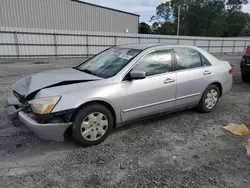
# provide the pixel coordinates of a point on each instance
(92, 124)
(209, 99)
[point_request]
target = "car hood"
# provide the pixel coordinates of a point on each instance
(52, 78)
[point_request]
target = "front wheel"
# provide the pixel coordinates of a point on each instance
(209, 99)
(92, 124)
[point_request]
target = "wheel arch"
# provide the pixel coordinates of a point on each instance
(102, 102)
(219, 85)
(201, 107)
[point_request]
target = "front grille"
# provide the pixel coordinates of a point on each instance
(20, 97)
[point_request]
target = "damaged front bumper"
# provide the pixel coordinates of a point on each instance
(47, 131)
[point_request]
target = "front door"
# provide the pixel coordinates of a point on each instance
(153, 94)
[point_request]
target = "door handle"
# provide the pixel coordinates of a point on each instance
(168, 80)
(206, 72)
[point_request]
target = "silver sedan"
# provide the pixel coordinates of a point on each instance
(120, 84)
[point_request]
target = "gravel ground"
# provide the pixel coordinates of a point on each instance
(183, 149)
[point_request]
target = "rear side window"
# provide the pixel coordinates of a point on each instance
(204, 61)
(187, 58)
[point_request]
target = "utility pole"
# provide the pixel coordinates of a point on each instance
(178, 25)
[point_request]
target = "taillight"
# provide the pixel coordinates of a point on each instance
(247, 52)
(230, 71)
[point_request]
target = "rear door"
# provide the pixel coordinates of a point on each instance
(194, 73)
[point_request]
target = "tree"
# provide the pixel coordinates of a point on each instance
(163, 11)
(144, 28)
(164, 20)
(235, 5)
(156, 27)
(163, 28)
(163, 24)
(201, 18)
(206, 18)
(246, 30)
(237, 22)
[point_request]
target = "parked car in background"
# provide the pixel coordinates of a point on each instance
(245, 66)
(118, 85)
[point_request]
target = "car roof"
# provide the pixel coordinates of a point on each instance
(143, 46)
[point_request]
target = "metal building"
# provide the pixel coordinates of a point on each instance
(65, 15)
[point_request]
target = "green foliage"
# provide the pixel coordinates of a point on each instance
(246, 30)
(144, 28)
(163, 11)
(214, 18)
(237, 23)
(235, 5)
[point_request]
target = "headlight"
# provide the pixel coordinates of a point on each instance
(44, 105)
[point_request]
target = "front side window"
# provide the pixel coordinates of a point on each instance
(156, 62)
(109, 63)
(187, 58)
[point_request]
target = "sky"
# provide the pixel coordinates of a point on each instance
(145, 8)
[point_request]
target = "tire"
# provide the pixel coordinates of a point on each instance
(203, 106)
(92, 121)
(245, 77)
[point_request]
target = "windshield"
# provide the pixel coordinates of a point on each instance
(109, 63)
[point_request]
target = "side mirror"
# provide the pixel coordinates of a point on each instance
(137, 74)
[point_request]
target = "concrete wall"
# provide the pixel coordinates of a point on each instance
(65, 15)
(16, 42)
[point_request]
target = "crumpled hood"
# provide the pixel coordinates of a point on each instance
(38, 81)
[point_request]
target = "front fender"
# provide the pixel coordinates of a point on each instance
(76, 95)
(65, 104)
